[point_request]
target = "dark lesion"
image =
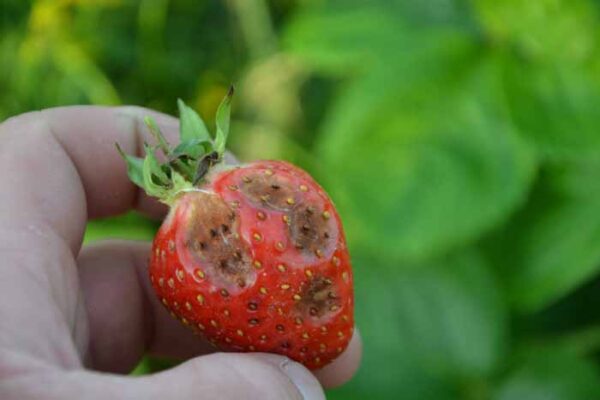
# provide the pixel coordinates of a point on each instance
(211, 235)
(318, 298)
(269, 191)
(309, 231)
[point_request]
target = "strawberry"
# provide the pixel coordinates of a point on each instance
(253, 257)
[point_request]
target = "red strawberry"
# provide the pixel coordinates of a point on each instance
(253, 257)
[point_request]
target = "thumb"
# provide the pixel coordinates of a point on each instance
(216, 376)
(238, 376)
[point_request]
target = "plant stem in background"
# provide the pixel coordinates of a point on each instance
(256, 26)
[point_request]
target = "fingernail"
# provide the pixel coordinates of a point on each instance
(307, 384)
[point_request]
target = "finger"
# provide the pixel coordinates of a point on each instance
(216, 376)
(343, 368)
(62, 166)
(119, 298)
(58, 167)
(89, 134)
(114, 278)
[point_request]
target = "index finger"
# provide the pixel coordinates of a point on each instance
(62, 167)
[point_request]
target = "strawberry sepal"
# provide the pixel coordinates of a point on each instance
(185, 165)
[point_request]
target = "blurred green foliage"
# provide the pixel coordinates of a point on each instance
(459, 138)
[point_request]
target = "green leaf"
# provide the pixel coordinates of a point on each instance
(337, 40)
(135, 167)
(150, 364)
(191, 126)
(350, 37)
(389, 368)
(451, 316)
(222, 122)
(544, 30)
(415, 174)
(551, 246)
(551, 375)
(131, 226)
(433, 331)
(555, 106)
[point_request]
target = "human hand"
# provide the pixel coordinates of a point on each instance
(73, 319)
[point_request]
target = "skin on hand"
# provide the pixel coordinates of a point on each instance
(70, 314)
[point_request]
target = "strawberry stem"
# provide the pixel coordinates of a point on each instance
(189, 162)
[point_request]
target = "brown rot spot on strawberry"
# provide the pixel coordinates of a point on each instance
(318, 298)
(269, 191)
(212, 238)
(310, 233)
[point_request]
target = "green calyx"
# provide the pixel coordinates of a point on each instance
(186, 164)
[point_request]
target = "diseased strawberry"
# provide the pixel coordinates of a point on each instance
(251, 256)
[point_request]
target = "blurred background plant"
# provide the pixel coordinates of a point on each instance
(459, 138)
